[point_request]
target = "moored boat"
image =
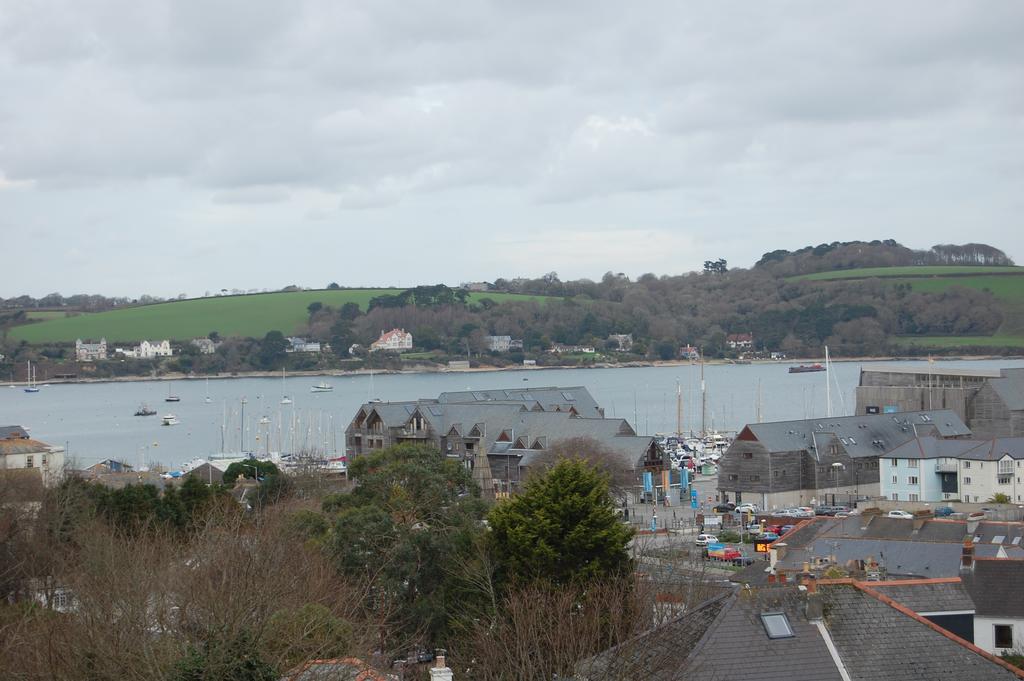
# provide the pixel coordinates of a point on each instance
(144, 410)
(806, 368)
(322, 387)
(169, 420)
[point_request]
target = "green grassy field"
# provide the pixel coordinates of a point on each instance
(250, 315)
(912, 271)
(1005, 283)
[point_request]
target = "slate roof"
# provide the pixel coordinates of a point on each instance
(928, 596)
(343, 669)
(865, 435)
(995, 587)
(725, 638)
(548, 396)
(659, 654)
(976, 450)
(936, 371)
(13, 433)
(877, 641)
(1010, 388)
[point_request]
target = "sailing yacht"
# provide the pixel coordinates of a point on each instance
(284, 395)
(170, 397)
(31, 387)
(208, 400)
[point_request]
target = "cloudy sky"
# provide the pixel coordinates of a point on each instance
(180, 146)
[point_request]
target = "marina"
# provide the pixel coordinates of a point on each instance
(95, 421)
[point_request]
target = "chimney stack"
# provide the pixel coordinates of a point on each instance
(440, 672)
(809, 582)
(967, 556)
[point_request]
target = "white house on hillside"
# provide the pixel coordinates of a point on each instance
(394, 340)
(147, 350)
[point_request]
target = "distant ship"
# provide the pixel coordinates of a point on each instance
(322, 387)
(170, 420)
(144, 410)
(806, 368)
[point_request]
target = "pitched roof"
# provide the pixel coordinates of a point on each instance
(548, 397)
(928, 596)
(23, 446)
(872, 638)
(994, 585)
(883, 641)
(929, 447)
(13, 433)
(1010, 388)
(862, 436)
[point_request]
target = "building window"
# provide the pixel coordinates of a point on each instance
(776, 625)
(914, 497)
(912, 463)
(821, 470)
(44, 461)
(29, 461)
(1006, 467)
(776, 473)
(895, 480)
(911, 481)
(874, 465)
(967, 464)
(748, 455)
(1004, 635)
(967, 481)
(733, 477)
(894, 462)
(1005, 479)
(755, 478)
(895, 496)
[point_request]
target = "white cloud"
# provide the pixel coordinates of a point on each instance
(461, 125)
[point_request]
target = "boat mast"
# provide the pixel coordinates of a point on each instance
(679, 410)
(703, 398)
(828, 387)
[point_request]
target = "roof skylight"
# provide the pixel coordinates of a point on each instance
(776, 625)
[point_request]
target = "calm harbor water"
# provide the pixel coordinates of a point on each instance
(95, 421)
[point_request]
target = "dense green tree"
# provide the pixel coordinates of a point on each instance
(314, 307)
(410, 522)
(333, 286)
(273, 350)
(263, 470)
(215, 660)
(562, 528)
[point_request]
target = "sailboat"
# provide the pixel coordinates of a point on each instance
(208, 400)
(170, 397)
(31, 387)
(284, 396)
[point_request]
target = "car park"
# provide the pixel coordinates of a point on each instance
(705, 539)
(900, 513)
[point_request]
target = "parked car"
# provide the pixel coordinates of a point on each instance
(747, 508)
(754, 528)
(830, 510)
(742, 560)
(726, 553)
(777, 529)
(769, 536)
(900, 513)
(785, 529)
(705, 539)
(726, 507)
(943, 512)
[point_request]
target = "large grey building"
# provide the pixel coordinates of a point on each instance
(989, 401)
(825, 460)
(500, 433)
